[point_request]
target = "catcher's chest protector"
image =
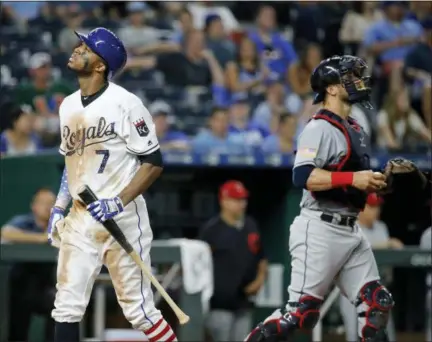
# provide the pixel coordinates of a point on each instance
(357, 158)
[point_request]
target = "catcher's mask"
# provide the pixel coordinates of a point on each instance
(345, 70)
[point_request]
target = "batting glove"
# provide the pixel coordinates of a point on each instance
(105, 209)
(55, 223)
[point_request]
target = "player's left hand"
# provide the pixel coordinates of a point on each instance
(105, 209)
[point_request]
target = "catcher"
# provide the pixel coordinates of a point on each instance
(332, 165)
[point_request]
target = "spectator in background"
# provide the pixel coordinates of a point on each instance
(166, 15)
(217, 41)
(306, 22)
(185, 26)
(95, 16)
(217, 138)
(17, 127)
(331, 14)
(47, 21)
(26, 10)
(239, 264)
(398, 124)
(299, 72)
(30, 228)
(189, 67)
(201, 9)
(246, 75)
(356, 22)
(389, 41)
(10, 19)
(195, 66)
(31, 284)
(240, 126)
(377, 234)
(138, 37)
(44, 96)
(283, 141)
(169, 139)
(274, 50)
(418, 71)
(67, 39)
(419, 10)
(426, 243)
(267, 113)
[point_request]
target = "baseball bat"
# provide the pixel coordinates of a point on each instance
(88, 196)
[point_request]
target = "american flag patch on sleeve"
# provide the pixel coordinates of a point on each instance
(307, 152)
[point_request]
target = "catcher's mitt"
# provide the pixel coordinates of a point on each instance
(403, 173)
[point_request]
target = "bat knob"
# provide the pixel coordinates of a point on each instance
(184, 319)
(81, 189)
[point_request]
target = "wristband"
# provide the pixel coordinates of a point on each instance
(341, 179)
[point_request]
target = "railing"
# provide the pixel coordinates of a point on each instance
(193, 331)
(407, 257)
(191, 304)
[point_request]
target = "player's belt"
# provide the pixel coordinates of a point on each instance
(339, 219)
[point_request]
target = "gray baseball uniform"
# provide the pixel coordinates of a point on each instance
(326, 253)
(376, 235)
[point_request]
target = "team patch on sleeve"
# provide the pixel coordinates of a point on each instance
(141, 127)
(307, 152)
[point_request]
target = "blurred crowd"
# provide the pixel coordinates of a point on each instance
(221, 77)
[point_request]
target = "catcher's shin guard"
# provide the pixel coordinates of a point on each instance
(281, 328)
(373, 306)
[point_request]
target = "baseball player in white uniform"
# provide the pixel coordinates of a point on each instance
(326, 245)
(109, 144)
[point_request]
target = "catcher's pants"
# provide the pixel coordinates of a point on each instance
(323, 254)
(86, 246)
(225, 325)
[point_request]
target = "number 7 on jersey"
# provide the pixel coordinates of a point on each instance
(106, 155)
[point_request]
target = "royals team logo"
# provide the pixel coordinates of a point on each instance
(76, 141)
(141, 127)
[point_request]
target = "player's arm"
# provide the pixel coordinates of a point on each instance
(262, 270)
(141, 140)
(151, 168)
(216, 70)
(313, 153)
(17, 231)
(57, 212)
(10, 233)
(233, 82)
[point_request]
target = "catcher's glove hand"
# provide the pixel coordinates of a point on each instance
(400, 173)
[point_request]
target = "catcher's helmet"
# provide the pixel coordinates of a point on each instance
(345, 70)
(107, 46)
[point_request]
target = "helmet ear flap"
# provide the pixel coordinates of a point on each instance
(316, 81)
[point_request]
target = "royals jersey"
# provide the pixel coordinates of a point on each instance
(101, 141)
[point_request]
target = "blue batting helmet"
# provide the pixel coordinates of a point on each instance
(107, 46)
